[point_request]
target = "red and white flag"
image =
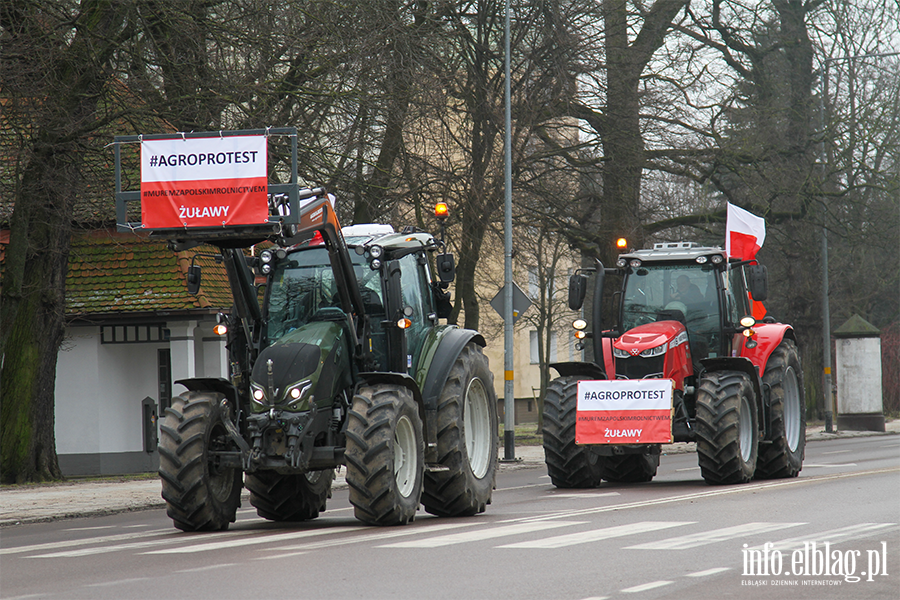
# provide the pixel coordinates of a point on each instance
(744, 233)
(744, 236)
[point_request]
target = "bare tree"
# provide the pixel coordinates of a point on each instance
(56, 71)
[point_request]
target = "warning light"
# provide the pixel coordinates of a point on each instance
(621, 243)
(220, 329)
(441, 211)
(404, 323)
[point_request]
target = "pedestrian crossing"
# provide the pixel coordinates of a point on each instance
(534, 533)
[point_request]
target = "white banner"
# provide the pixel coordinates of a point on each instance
(203, 159)
(624, 394)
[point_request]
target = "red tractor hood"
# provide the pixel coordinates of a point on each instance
(648, 336)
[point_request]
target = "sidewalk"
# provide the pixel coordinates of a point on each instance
(32, 504)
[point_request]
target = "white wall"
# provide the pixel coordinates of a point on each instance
(99, 387)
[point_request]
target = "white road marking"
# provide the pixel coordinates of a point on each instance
(383, 535)
(207, 568)
(687, 469)
(481, 534)
(709, 537)
(826, 466)
(117, 582)
(834, 536)
(647, 586)
(254, 540)
(708, 572)
(836, 452)
(585, 495)
(594, 535)
(103, 539)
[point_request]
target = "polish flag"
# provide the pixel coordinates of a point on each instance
(744, 233)
(744, 236)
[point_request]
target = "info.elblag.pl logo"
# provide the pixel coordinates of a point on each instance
(826, 565)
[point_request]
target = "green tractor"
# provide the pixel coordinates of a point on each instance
(337, 358)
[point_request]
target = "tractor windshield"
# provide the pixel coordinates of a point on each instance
(684, 292)
(303, 290)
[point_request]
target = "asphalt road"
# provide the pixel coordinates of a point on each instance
(674, 537)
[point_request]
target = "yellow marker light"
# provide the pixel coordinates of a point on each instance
(404, 323)
(621, 243)
(441, 211)
(220, 329)
(580, 335)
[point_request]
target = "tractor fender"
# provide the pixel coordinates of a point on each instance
(768, 336)
(212, 384)
(740, 363)
(588, 370)
(447, 345)
(443, 347)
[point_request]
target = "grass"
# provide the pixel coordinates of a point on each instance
(525, 434)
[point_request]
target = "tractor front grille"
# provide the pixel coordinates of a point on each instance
(637, 367)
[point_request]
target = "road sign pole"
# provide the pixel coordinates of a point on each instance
(509, 408)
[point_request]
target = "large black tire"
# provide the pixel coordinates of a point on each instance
(727, 427)
(280, 497)
(200, 495)
(385, 455)
(569, 465)
(783, 457)
(629, 468)
(467, 439)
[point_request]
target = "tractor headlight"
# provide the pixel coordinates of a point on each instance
(266, 256)
(658, 351)
(257, 393)
(619, 353)
(376, 251)
(298, 392)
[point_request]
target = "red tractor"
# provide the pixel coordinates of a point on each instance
(683, 328)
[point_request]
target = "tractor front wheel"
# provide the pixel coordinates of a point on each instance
(467, 440)
(385, 455)
(787, 415)
(200, 494)
(727, 427)
(569, 465)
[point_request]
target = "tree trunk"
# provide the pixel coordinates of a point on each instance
(34, 309)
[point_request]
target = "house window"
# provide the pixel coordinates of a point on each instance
(133, 334)
(534, 341)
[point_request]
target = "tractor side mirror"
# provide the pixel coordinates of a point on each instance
(193, 279)
(758, 281)
(577, 291)
(446, 268)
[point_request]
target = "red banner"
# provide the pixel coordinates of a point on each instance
(204, 182)
(624, 411)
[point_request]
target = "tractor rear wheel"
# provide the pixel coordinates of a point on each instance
(727, 427)
(467, 440)
(385, 455)
(787, 414)
(280, 497)
(629, 468)
(569, 465)
(200, 494)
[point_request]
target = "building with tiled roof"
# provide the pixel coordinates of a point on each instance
(133, 330)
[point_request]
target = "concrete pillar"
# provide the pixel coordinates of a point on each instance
(181, 344)
(860, 403)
